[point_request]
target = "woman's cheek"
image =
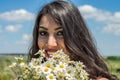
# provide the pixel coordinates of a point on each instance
(40, 44)
(62, 45)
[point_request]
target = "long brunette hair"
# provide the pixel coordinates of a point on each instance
(77, 38)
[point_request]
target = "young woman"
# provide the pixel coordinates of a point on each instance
(59, 25)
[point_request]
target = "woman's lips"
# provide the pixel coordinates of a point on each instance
(50, 52)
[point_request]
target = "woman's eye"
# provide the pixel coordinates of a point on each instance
(43, 33)
(60, 33)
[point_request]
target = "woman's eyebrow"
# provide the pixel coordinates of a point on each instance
(58, 28)
(43, 27)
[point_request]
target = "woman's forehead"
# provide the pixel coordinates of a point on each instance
(47, 20)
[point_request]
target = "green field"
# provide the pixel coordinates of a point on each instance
(7, 74)
(114, 65)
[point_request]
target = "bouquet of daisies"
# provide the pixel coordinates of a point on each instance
(58, 67)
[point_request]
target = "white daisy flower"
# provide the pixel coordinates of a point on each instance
(58, 67)
(79, 64)
(83, 74)
(48, 64)
(51, 77)
(38, 69)
(12, 65)
(19, 58)
(70, 71)
(41, 52)
(21, 64)
(55, 55)
(46, 70)
(37, 75)
(71, 78)
(61, 66)
(32, 65)
(60, 76)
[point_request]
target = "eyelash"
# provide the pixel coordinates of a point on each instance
(44, 33)
(59, 33)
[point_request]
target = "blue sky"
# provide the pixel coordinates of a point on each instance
(17, 21)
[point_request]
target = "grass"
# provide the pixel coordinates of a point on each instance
(113, 66)
(7, 74)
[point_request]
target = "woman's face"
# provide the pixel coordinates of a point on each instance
(50, 35)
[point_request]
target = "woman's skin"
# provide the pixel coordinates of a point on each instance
(51, 37)
(102, 79)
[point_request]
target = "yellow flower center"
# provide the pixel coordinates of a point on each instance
(61, 66)
(37, 75)
(46, 69)
(79, 65)
(48, 65)
(68, 71)
(60, 76)
(39, 69)
(22, 63)
(55, 55)
(53, 68)
(51, 77)
(12, 65)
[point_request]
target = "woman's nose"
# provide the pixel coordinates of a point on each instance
(51, 42)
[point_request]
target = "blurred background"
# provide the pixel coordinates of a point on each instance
(17, 22)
